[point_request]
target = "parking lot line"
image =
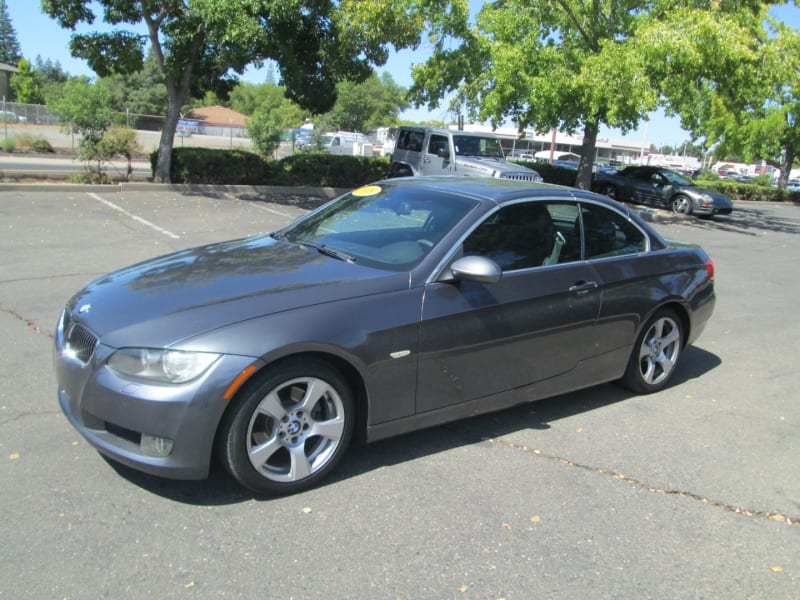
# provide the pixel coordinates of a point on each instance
(134, 217)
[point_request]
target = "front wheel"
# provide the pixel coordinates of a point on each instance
(682, 205)
(288, 429)
(655, 354)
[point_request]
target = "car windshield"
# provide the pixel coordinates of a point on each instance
(386, 227)
(471, 145)
(675, 179)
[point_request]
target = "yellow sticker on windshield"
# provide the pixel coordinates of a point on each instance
(367, 190)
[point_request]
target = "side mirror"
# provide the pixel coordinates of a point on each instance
(476, 268)
(443, 152)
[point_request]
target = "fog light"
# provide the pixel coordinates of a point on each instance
(152, 445)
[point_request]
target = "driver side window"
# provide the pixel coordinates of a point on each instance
(437, 144)
(527, 234)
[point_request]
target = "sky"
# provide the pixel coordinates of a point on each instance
(39, 35)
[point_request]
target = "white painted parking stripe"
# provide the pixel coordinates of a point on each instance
(134, 217)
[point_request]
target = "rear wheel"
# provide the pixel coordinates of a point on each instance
(655, 354)
(682, 205)
(289, 429)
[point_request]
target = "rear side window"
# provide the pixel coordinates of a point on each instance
(607, 233)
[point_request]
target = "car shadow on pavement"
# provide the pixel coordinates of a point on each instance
(220, 489)
(752, 220)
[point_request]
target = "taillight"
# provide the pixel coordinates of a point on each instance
(710, 268)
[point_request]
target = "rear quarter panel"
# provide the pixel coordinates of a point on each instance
(635, 287)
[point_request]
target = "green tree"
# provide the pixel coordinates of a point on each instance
(50, 77)
(578, 64)
(376, 102)
(245, 97)
(201, 44)
(139, 93)
(24, 85)
(86, 109)
(10, 52)
(273, 113)
(759, 120)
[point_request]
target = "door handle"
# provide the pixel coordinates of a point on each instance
(581, 287)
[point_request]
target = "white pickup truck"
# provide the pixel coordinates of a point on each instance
(433, 151)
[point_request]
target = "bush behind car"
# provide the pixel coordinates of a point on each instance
(239, 167)
(751, 192)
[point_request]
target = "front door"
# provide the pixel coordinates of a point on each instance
(436, 159)
(535, 323)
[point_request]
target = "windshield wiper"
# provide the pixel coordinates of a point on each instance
(328, 251)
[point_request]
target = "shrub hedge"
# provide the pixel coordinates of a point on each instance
(239, 167)
(750, 191)
(551, 173)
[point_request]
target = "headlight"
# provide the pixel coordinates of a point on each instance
(166, 366)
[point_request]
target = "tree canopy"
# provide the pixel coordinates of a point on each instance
(760, 119)
(10, 51)
(25, 86)
(578, 64)
(368, 105)
(200, 45)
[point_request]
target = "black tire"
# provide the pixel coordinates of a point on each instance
(681, 205)
(288, 428)
(398, 170)
(656, 353)
(610, 191)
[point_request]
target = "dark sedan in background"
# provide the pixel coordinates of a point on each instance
(398, 306)
(661, 187)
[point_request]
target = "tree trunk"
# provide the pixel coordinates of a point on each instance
(177, 90)
(583, 180)
(164, 162)
(786, 167)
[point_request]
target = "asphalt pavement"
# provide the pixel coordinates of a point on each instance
(692, 492)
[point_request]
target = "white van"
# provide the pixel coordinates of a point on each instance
(345, 142)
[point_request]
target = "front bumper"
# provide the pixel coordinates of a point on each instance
(715, 207)
(113, 412)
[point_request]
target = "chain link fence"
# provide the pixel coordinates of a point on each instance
(38, 114)
(17, 119)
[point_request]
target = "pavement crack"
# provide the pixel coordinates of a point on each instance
(29, 322)
(746, 512)
(26, 414)
(87, 276)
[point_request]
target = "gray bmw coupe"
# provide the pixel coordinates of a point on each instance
(398, 306)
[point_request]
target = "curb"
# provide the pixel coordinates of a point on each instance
(186, 188)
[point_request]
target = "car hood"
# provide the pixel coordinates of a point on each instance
(163, 301)
(491, 166)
